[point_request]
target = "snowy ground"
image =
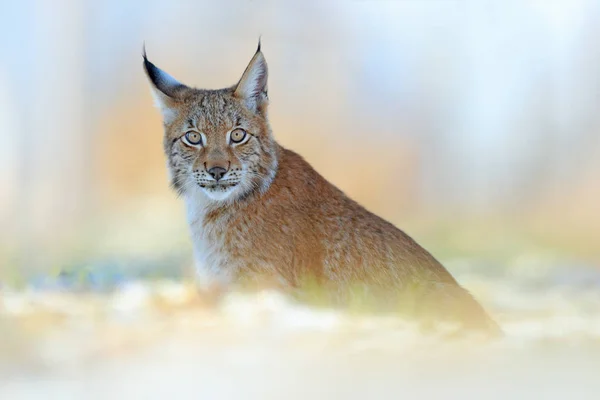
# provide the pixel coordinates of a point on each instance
(152, 340)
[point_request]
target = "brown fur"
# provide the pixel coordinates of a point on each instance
(276, 217)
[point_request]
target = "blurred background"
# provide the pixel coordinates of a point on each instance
(446, 117)
(471, 124)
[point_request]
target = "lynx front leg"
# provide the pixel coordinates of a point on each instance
(212, 281)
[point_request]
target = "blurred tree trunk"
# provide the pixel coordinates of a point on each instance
(52, 145)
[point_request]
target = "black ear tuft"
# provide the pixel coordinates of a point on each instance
(148, 66)
(151, 69)
(162, 81)
(258, 49)
(153, 72)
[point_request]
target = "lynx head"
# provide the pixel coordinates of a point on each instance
(218, 142)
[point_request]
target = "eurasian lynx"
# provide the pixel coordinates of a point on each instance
(257, 209)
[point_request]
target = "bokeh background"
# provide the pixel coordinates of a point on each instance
(471, 124)
(477, 115)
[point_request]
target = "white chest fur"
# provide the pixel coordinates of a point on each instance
(212, 262)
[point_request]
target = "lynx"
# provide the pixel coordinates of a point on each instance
(256, 209)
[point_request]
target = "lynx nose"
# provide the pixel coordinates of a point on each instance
(217, 172)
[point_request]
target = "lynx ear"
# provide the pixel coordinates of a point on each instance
(166, 90)
(252, 87)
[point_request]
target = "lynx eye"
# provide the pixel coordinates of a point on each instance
(193, 138)
(238, 136)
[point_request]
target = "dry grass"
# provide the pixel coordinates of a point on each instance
(157, 339)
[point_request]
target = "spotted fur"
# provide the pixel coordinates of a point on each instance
(273, 216)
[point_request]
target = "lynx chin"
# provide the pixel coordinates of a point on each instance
(259, 211)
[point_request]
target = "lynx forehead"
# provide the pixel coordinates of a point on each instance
(258, 210)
